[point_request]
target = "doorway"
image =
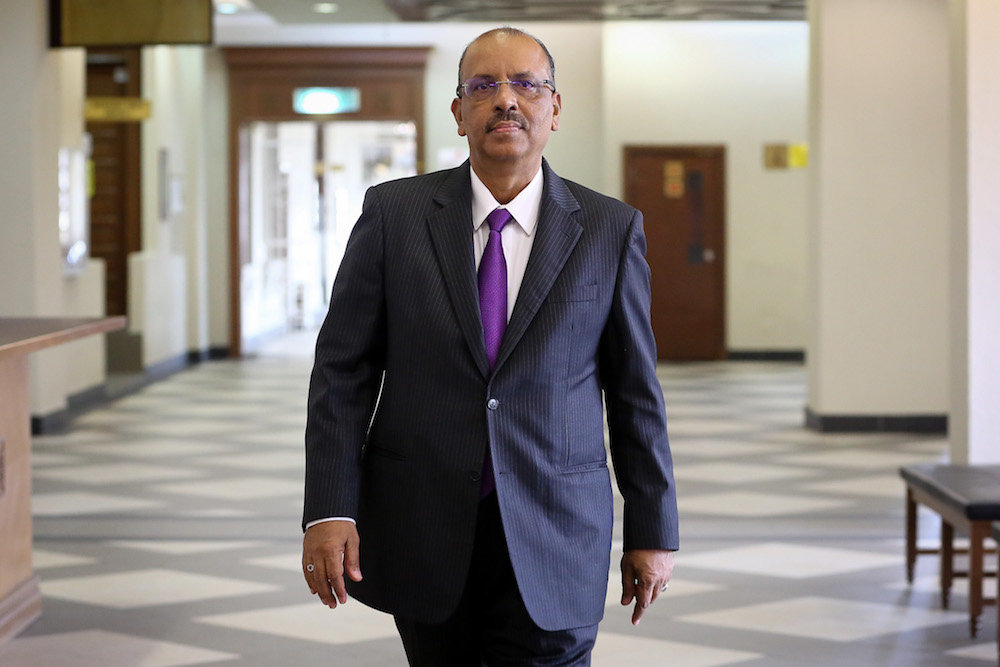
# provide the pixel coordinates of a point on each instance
(681, 193)
(115, 202)
(298, 172)
(304, 183)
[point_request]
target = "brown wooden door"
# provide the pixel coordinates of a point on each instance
(115, 205)
(681, 193)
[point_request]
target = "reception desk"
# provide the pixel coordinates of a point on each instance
(20, 596)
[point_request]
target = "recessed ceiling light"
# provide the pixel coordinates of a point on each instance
(325, 7)
(226, 8)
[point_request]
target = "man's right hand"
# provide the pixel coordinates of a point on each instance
(331, 548)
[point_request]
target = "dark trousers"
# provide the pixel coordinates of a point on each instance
(491, 625)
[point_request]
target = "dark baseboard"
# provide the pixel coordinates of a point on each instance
(76, 404)
(88, 398)
(925, 424)
(116, 386)
(208, 354)
(797, 356)
(167, 367)
(53, 422)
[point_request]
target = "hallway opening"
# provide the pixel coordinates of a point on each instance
(302, 185)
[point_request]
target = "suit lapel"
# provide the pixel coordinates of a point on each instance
(557, 235)
(451, 234)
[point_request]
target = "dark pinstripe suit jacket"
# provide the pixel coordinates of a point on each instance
(406, 461)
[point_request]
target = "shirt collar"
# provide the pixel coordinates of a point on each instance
(524, 207)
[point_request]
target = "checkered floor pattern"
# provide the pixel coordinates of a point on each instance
(167, 533)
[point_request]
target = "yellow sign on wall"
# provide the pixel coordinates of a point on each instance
(116, 109)
(673, 179)
(786, 156)
(798, 156)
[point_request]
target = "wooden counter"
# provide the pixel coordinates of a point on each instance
(20, 596)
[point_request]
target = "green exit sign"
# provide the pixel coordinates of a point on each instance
(326, 101)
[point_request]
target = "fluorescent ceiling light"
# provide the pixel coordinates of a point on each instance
(325, 7)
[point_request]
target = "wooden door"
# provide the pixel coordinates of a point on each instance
(681, 193)
(115, 204)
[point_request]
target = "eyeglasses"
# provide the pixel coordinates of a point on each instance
(480, 88)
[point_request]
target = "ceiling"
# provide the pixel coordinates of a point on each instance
(515, 11)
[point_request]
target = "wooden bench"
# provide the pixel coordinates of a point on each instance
(967, 498)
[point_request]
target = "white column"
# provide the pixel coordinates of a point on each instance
(879, 205)
(975, 241)
(42, 111)
(24, 71)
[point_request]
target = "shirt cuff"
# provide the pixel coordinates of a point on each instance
(332, 518)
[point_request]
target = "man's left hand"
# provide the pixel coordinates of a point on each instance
(645, 573)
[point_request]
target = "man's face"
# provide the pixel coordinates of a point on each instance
(506, 127)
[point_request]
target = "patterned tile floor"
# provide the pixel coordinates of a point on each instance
(167, 534)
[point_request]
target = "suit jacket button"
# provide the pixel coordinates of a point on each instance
(475, 475)
(493, 404)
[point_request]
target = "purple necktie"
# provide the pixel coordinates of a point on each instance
(493, 308)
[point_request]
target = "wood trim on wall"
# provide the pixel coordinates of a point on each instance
(261, 81)
(131, 193)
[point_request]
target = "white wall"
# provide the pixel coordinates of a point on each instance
(171, 311)
(41, 112)
(20, 34)
(216, 145)
(741, 85)
(879, 256)
(192, 75)
(157, 304)
(974, 421)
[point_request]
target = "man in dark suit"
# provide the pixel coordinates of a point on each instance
(455, 442)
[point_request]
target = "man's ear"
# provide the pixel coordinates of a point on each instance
(556, 110)
(456, 111)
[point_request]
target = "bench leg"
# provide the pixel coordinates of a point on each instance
(977, 534)
(911, 535)
(947, 562)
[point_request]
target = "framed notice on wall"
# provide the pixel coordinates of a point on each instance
(130, 22)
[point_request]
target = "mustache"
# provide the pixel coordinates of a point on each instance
(507, 116)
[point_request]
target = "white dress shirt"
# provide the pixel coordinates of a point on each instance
(517, 236)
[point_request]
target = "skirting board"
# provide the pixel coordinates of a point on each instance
(117, 387)
(798, 356)
(208, 354)
(929, 424)
(20, 609)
